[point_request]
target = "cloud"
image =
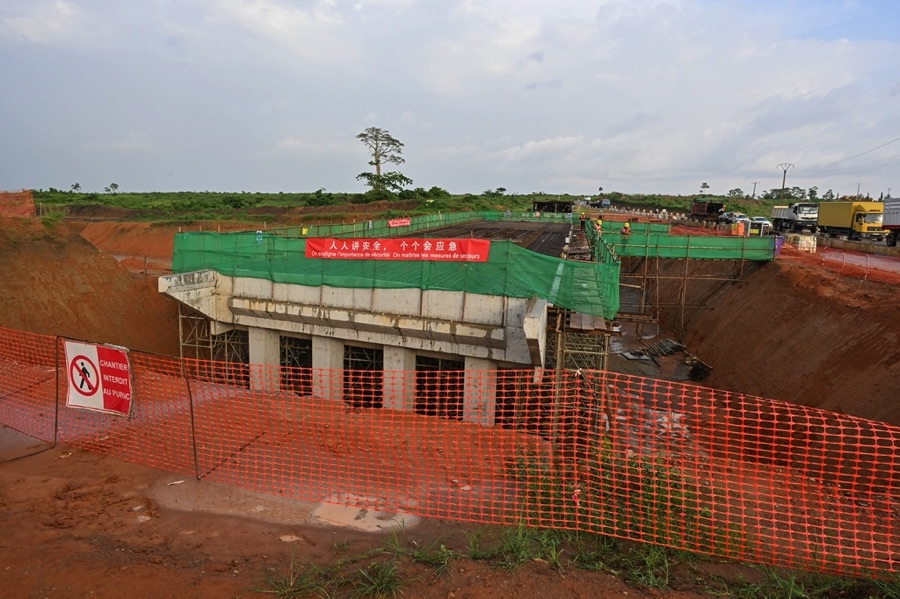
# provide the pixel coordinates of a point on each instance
(311, 146)
(639, 96)
(44, 22)
(134, 142)
(313, 33)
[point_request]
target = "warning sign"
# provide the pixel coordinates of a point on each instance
(99, 378)
(443, 250)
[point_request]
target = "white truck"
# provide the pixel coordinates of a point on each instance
(795, 217)
(891, 221)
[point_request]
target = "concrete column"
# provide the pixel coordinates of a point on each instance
(265, 359)
(328, 368)
(480, 398)
(399, 379)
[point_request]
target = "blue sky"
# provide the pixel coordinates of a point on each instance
(637, 96)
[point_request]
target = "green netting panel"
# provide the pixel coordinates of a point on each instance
(699, 247)
(588, 287)
(612, 226)
(378, 228)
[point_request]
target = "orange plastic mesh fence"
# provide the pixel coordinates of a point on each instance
(679, 465)
(157, 432)
(16, 203)
(28, 380)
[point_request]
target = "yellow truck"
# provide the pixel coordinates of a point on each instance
(855, 220)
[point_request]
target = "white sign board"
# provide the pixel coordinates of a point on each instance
(99, 378)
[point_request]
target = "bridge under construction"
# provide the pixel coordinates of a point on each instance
(522, 290)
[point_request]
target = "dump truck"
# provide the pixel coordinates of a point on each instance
(891, 221)
(856, 220)
(706, 211)
(795, 217)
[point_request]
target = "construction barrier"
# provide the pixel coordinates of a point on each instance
(678, 465)
(508, 270)
(646, 242)
(16, 203)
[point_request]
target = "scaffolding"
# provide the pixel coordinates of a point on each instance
(363, 376)
(440, 387)
(656, 265)
(197, 341)
(651, 284)
(193, 334)
(296, 359)
(576, 341)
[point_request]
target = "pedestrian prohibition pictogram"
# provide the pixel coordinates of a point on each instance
(99, 378)
(84, 376)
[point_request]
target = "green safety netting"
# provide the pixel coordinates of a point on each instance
(587, 287)
(643, 228)
(643, 244)
(417, 224)
(691, 247)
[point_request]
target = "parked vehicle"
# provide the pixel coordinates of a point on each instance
(731, 218)
(706, 211)
(891, 221)
(856, 220)
(762, 220)
(758, 226)
(795, 217)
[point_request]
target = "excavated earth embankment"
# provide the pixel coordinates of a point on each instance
(791, 330)
(77, 522)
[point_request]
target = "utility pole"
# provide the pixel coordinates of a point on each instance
(858, 185)
(784, 166)
(754, 189)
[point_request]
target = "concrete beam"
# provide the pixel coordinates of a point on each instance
(507, 330)
(399, 379)
(265, 359)
(480, 392)
(328, 367)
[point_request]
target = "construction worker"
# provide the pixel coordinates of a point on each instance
(626, 229)
(598, 226)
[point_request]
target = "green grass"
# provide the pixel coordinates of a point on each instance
(52, 216)
(380, 579)
(648, 566)
(433, 554)
(365, 574)
(186, 206)
(641, 497)
(776, 583)
(299, 582)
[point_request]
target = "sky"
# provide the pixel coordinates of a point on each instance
(552, 96)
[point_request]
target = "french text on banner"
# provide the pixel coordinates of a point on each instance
(436, 249)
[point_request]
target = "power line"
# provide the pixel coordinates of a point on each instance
(850, 168)
(830, 164)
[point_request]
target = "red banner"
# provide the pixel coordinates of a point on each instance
(447, 250)
(400, 222)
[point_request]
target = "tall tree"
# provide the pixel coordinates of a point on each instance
(813, 193)
(383, 147)
(393, 181)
